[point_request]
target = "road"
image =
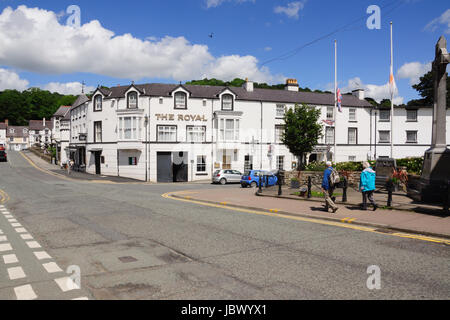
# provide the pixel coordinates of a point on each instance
(129, 242)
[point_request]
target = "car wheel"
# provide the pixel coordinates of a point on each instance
(223, 182)
(243, 185)
(254, 185)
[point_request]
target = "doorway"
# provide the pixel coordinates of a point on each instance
(98, 165)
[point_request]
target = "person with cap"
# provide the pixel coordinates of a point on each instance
(328, 188)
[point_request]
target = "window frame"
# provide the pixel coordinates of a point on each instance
(416, 118)
(328, 112)
(417, 136)
(356, 136)
(192, 127)
(350, 114)
(95, 104)
(281, 168)
(96, 131)
(201, 165)
(172, 126)
(185, 100)
(232, 101)
(128, 100)
(326, 136)
(282, 128)
(379, 137)
(278, 111)
(385, 120)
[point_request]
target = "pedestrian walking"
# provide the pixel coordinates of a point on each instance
(328, 188)
(70, 164)
(367, 185)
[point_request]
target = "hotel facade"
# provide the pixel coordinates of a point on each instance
(180, 133)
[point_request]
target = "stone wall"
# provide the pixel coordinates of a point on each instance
(317, 177)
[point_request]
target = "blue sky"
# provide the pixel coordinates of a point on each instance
(167, 41)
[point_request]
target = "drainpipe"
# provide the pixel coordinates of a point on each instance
(261, 138)
(213, 144)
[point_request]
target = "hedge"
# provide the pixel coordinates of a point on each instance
(413, 165)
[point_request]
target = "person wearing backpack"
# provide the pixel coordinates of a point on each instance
(367, 185)
(330, 177)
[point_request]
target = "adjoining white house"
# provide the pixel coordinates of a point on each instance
(174, 133)
(40, 133)
(61, 131)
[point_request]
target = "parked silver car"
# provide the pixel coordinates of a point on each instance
(227, 176)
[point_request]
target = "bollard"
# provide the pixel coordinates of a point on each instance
(309, 187)
(390, 187)
(344, 195)
(260, 184)
(280, 184)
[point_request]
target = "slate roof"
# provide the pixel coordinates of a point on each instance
(18, 132)
(62, 111)
(3, 126)
(212, 92)
(80, 100)
(39, 125)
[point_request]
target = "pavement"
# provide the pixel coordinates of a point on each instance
(430, 224)
(133, 241)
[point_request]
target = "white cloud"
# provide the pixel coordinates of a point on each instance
(268, 49)
(444, 19)
(11, 80)
(291, 10)
(413, 71)
(216, 3)
(34, 40)
(373, 91)
(73, 88)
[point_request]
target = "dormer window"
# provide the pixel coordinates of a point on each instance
(180, 100)
(98, 100)
(227, 102)
(132, 100)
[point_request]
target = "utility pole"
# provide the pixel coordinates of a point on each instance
(335, 100)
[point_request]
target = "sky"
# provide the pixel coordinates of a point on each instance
(117, 42)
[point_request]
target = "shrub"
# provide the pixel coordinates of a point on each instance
(316, 166)
(413, 165)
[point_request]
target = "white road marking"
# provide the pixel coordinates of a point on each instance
(5, 247)
(66, 284)
(52, 267)
(25, 293)
(3, 238)
(33, 244)
(26, 236)
(16, 273)
(82, 298)
(15, 225)
(8, 216)
(21, 230)
(12, 220)
(1, 232)
(10, 259)
(42, 255)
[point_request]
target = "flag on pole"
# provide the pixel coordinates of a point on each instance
(392, 84)
(339, 100)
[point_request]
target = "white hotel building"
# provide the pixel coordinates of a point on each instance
(175, 133)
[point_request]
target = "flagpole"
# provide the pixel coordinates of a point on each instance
(392, 95)
(335, 100)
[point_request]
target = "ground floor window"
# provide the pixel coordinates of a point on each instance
(248, 165)
(280, 163)
(351, 158)
(201, 164)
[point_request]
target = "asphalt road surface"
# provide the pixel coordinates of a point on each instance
(128, 242)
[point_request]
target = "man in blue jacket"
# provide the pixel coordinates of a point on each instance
(327, 189)
(367, 185)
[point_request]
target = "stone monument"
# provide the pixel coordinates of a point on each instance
(436, 170)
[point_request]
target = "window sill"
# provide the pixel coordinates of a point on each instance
(384, 121)
(201, 174)
(411, 142)
(412, 121)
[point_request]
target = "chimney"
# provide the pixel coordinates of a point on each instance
(292, 85)
(6, 122)
(248, 85)
(359, 93)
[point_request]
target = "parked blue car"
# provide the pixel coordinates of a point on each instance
(251, 179)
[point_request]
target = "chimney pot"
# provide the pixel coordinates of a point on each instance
(292, 85)
(359, 93)
(248, 85)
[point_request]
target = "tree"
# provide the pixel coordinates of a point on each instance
(426, 90)
(302, 131)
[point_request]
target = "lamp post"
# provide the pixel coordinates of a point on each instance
(376, 114)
